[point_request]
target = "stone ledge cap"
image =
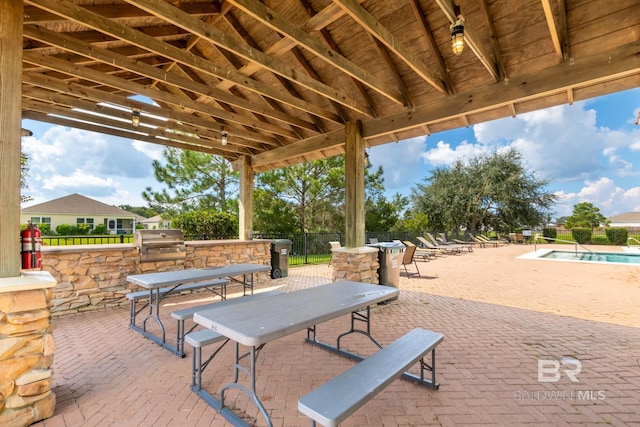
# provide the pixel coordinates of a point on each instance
(359, 250)
(28, 280)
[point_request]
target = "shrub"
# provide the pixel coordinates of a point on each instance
(64, 229)
(617, 236)
(552, 233)
(99, 229)
(207, 223)
(581, 235)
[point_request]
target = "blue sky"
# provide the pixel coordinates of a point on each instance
(588, 151)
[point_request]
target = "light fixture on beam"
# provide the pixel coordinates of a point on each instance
(224, 136)
(457, 33)
(135, 118)
(367, 162)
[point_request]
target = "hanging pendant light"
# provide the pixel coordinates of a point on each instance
(224, 136)
(457, 33)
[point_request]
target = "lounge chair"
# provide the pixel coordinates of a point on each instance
(481, 238)
(464, 245)
(408, 259)
(450, 246)
(424, 253)
(373, 240)
(444, 248)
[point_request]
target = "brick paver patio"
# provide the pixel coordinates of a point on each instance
(500, 315)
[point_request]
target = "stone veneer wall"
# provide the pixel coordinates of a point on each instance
(26, 352)
(92, 277)
(357, 264)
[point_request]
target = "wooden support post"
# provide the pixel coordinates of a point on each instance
(245, 223)
(10, 116)
(354, 185)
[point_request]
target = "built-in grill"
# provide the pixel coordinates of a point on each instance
(160, 245)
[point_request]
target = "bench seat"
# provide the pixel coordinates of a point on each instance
(334, 401)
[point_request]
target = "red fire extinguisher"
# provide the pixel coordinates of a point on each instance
(31, 247)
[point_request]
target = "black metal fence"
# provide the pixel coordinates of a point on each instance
(314, 248)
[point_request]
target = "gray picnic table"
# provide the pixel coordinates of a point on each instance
(256, 322)
(164, 283)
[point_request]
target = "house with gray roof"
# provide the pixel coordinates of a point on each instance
(627, 219)
(77, 209)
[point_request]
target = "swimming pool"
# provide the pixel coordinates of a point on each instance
(624, 258)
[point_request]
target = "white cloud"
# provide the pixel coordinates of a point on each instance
(65, 161)
(603, 193)
(443, 154)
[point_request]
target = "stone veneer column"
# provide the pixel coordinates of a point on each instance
(357, 264)
(26, 349)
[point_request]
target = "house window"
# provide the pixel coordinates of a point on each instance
(88, 221)
(41, 220)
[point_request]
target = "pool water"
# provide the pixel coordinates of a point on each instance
(604, 257)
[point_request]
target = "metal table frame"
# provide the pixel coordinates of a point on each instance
(174, 279)
(280, 315)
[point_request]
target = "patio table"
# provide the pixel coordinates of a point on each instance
(255, 323)
(154, 282)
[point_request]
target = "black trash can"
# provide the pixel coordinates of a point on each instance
(390, 259)
(280, 249)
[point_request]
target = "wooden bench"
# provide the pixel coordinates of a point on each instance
(205, 337)
(334, 401)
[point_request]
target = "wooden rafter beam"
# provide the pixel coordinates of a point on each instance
(272, 20)
(114, 122)
(599, 68)
(381, 33)
(497, 53)
(124, 115)
(136, 38)
(41, 117)
(169, 13)
(470, 38)
(119, 12)
(557, 27)
(128, 86)
(433, 47)
(59, 87)
(122, 62)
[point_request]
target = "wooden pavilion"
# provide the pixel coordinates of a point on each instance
(273, 83)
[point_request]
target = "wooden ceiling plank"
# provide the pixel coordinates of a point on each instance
(272, 20)
(470, 38)
(286, 84)
(554, 29)
(381, 33)
(104, 25)
(113, 59)
(166, 11)
(97, 95)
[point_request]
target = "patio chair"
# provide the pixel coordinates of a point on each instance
(486, 241)
(334, 245)
(408, 259)
(424, 253)
(453, 246)
(373, 240)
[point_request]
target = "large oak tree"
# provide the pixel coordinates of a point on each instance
(488, 191)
